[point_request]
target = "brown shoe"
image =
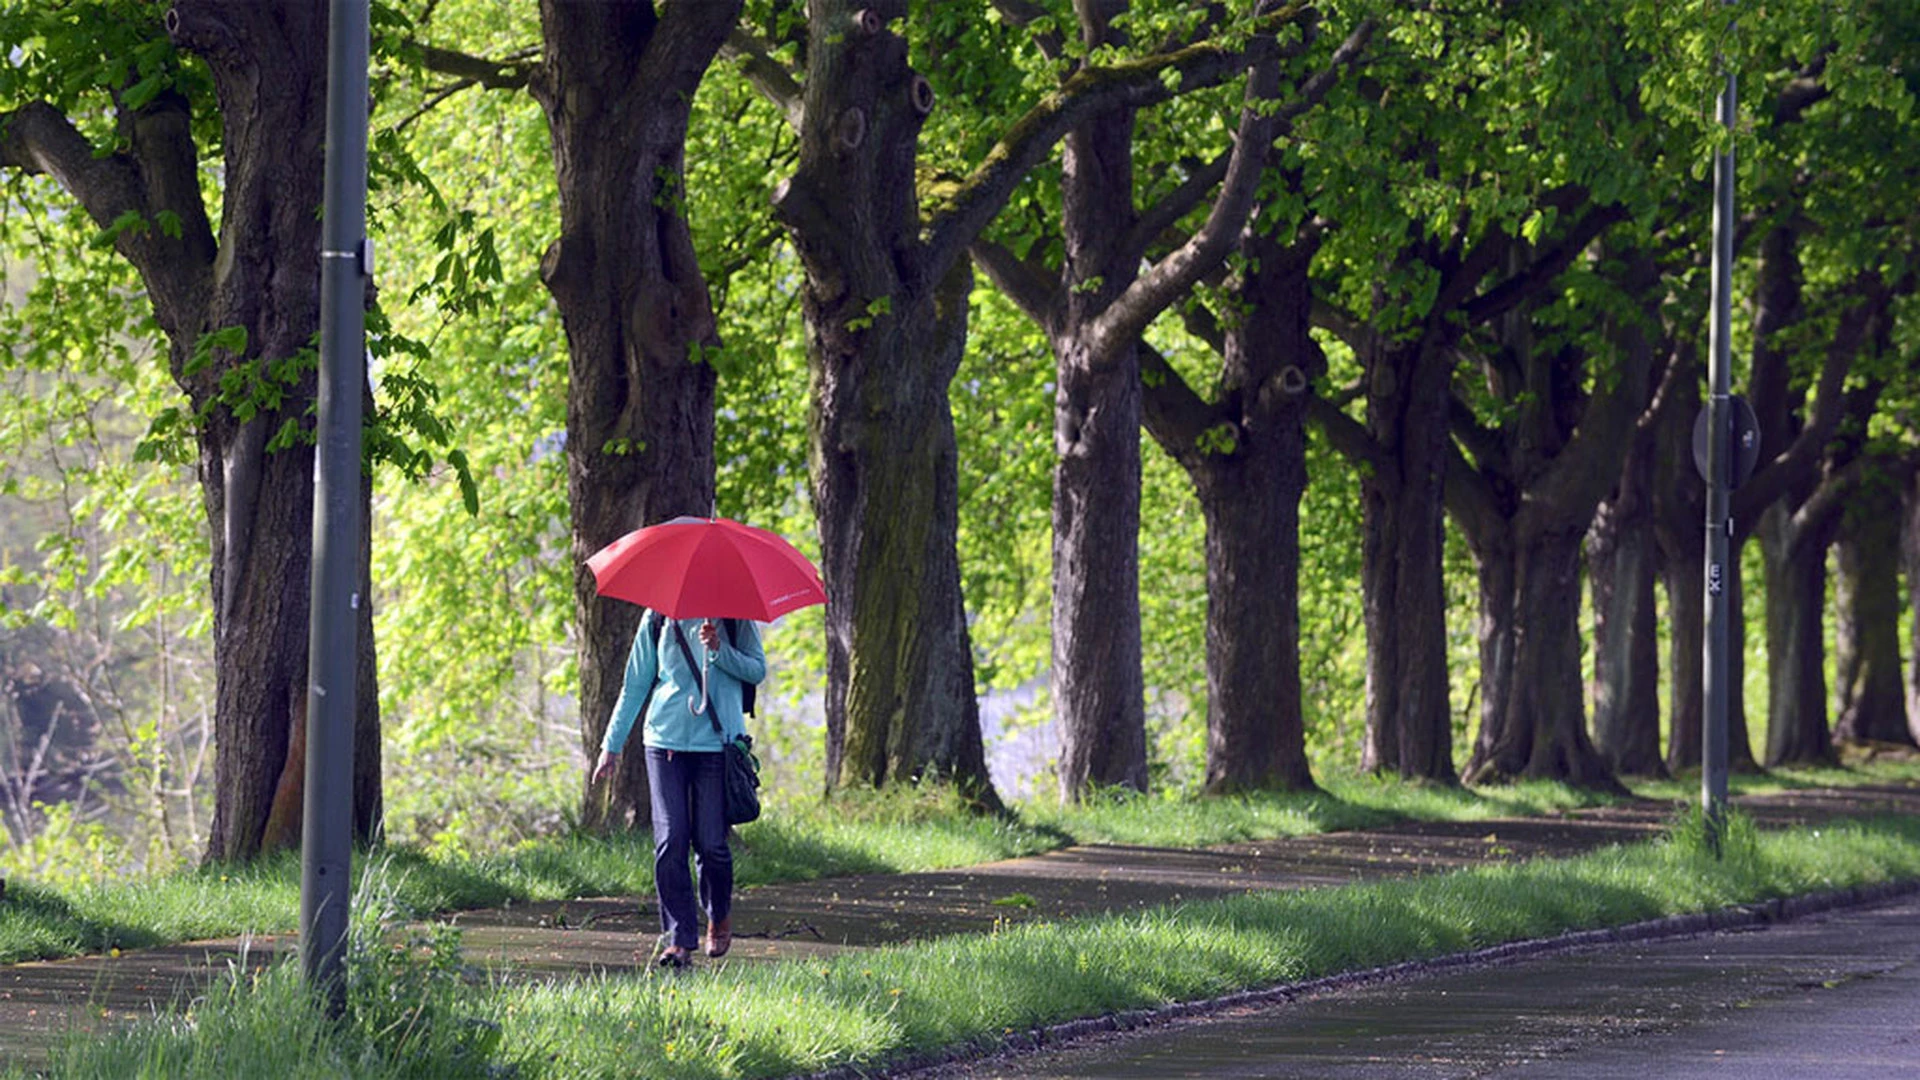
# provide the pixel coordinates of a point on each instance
(719, 937)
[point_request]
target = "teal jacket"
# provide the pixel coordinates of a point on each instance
(659, 680)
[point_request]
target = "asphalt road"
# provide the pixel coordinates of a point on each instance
(1834, 996)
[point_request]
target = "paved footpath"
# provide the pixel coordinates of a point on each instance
(39, 1001)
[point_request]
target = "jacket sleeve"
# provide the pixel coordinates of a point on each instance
(744, 659)
(635, 688)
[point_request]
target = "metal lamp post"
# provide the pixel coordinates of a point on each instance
(1719, 469)
(345, 264)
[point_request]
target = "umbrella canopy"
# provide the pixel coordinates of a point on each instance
(707, 568)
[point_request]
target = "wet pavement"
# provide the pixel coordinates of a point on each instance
(39, 1001)
(1834, 996)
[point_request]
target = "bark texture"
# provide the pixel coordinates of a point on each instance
(1871, 701)
(1526, 502)
(1679, 509)
(1249, 487)
(1098, 687)
(886, 324)
(261, 274)
(1796, 582)
(1622, 559)
(1910, 569)
(1796, 501)
(1409, 719)
(1788, 504)
(617, 84)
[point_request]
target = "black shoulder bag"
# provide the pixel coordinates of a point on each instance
(741, 770)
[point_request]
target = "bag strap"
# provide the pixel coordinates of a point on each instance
(687, 651)
(748, 691)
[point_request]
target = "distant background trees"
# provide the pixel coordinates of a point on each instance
(1176, 396)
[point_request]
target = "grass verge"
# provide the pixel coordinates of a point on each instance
(853, 833)
(757, 1020)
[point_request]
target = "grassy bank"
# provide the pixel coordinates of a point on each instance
(752, 1020)
(858, 833)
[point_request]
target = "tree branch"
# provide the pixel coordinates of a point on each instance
(1162, 215)
(1474, 437)
(1021, 14)
(173, 254)
(1316, 88)
(1174, 415)
(1540, 273)
(38, 139)
(1031, 288)
(1469, 498)
(1151, 293)
(1347, 435)
(1829, 403)
(1345, 325)
(954, 224)
(1202, 323)
(775, 81)
(508, 74)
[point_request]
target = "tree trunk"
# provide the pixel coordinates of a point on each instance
(1796, 574)
(1249, 491)
(1098, 688)
(1910, 567)
(617, 85)
(1495, 567)
(1621, 560)
(886, 326)
(1546, 695)
(1536, 726)
(1872, 705)
(1679, 509)
(269, 68)
(1409, 718)
(887, 494)
(1099, 694)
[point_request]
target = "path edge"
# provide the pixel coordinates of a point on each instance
(1063, 1035)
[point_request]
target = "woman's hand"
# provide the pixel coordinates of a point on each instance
(710, 635)
(607, 763)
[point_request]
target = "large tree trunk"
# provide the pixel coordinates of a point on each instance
(886, 488)
(1527, 504)
(1910, 567)
(1409, 718)
(617, 85)
(1249, 492)
(1496, 569)
(268, 67)
(1621, 564)
(1679, 509)
(1872, 707)
(1796, 573)
(1541, 731)
(886, 326)
(1098, 687)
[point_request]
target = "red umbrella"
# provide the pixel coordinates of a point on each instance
(707, 568)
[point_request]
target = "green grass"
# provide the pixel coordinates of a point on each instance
(752, 1020)
(853, 833)
(1884, 771)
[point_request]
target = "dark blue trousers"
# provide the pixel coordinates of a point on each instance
(689, 813)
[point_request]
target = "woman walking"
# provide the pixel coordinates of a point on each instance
(692, 710)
